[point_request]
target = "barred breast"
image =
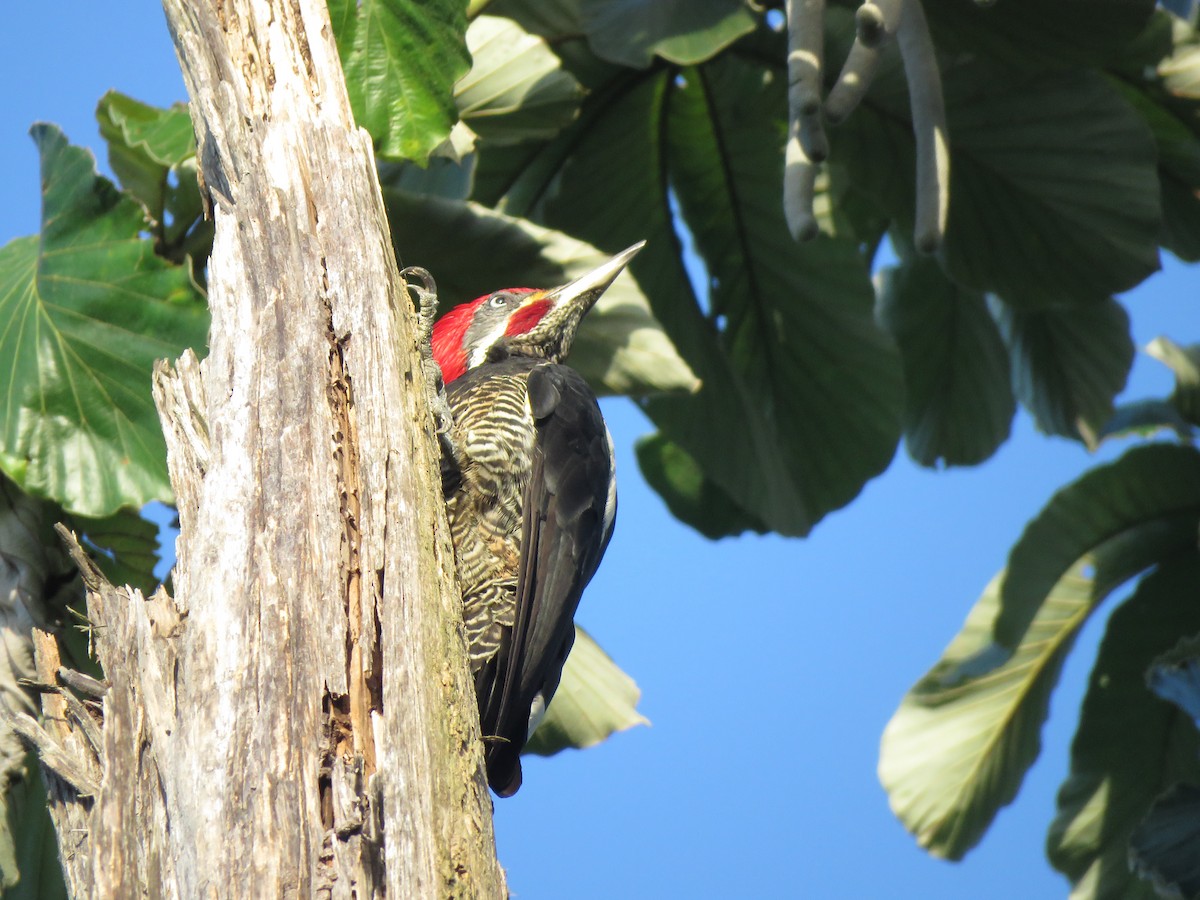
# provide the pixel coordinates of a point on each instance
(493, 431)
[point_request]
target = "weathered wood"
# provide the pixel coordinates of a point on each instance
(70, 767)
(298, 719)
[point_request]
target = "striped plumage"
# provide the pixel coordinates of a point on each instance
(531, 497)
(492, 426)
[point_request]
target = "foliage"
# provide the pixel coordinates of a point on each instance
(401, 60)
(1162, 847)
(595, 699)
(88, 307)
(29, 850)
(779, 378)
(958, 748)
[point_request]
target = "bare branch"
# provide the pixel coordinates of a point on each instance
(52, 754)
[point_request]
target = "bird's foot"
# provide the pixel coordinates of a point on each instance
(435, 386)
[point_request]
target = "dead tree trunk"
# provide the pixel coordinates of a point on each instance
(297, 720)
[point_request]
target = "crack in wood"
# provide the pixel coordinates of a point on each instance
(357, 738)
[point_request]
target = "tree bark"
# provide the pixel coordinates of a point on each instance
(298, 719)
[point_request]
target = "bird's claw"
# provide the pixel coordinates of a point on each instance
(427, 300)
(427, 304)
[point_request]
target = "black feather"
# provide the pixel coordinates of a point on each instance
(562, 539)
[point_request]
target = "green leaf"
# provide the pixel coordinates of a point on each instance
(1129, 745)
(153, 152)
(958, 747)
(517, 88)
(144, 144)
(1178, 163)
(29, 865)
(1163, 847)
(686, 32)
(36, 580)
(1150, 47)
(88, 307)
(844, 210)
(1041, 33)
(801, 395)
(1068, 364)
(1149, 484)
(1181, 218)
(959, 405)
(692, 497)
(818, 383)
(401, 60)
(1185, 363)
(472, 251)
(1031, 188)
(552, 19)
(1036, 214)
(449, 173)
(161, 136)
(124, 546)
(593, 700)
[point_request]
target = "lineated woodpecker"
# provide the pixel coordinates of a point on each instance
(531, 496)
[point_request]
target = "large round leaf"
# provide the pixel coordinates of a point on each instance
(1130, 745)
(1054, 195)
(691, 495)
(795, 321)
(958, 747)
(959, 405)
(632, 32)
(1040, 33)
(401, 60)
(594, 700)
(144, 144)
(1068, 364)
(153, 153)
(1037, 214)
(86, 310)
(1172, 125)
(1149, 484)
(516, 88)
(802, 391)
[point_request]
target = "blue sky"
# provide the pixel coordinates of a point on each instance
(769, 667)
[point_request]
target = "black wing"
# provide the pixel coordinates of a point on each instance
(565, 532)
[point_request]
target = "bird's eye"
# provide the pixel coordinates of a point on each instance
(499, 301)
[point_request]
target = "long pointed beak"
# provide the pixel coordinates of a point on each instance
(554, 333)
(587, 289)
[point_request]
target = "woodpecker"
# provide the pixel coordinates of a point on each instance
(530, 492)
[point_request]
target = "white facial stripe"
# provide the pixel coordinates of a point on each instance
(480, 352)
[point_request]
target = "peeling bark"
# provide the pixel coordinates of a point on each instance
(298, 719)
